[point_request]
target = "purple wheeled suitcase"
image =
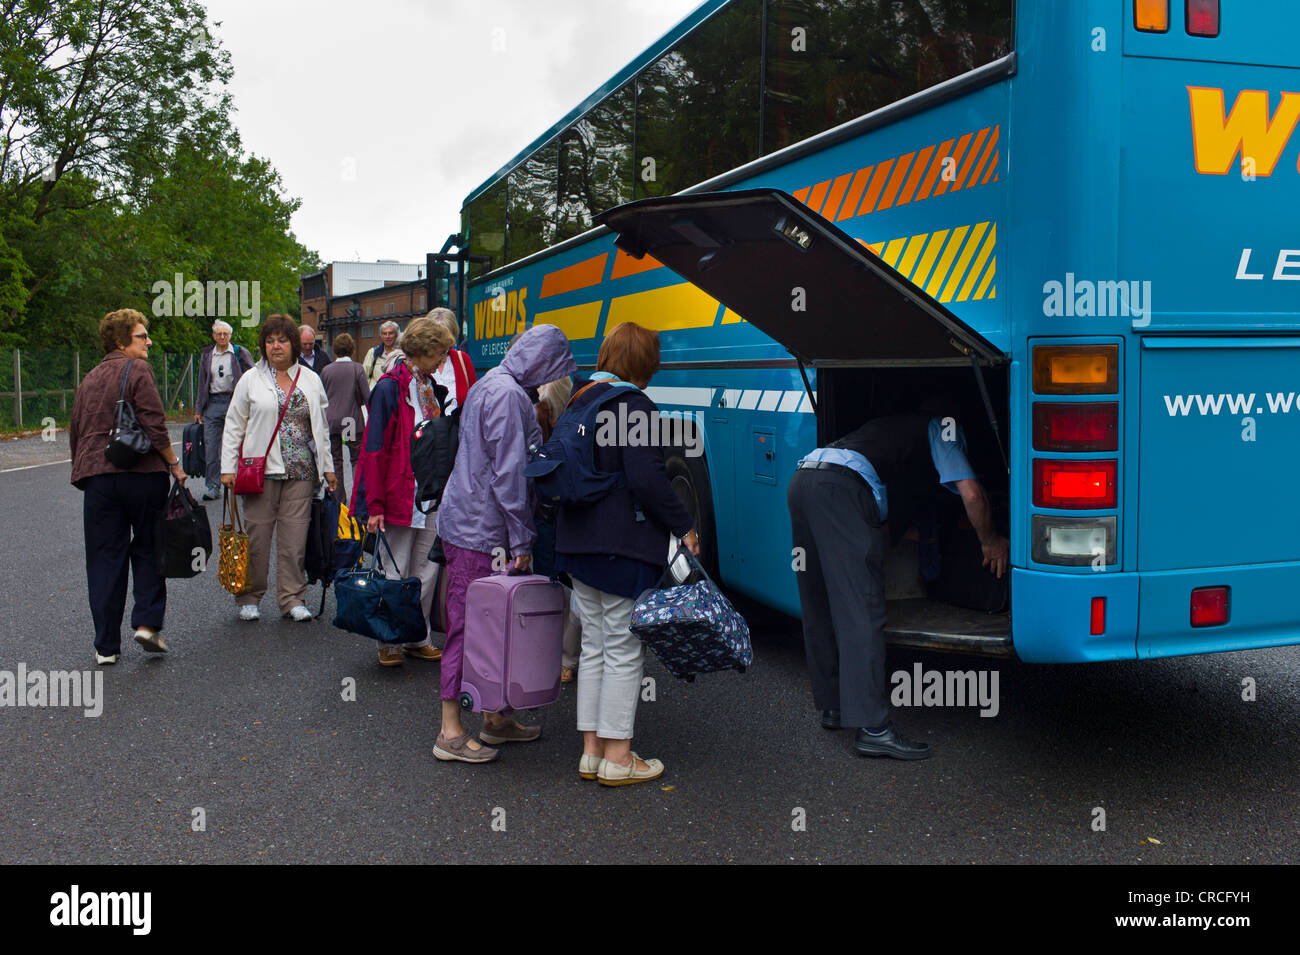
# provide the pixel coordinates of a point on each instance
(514, 628)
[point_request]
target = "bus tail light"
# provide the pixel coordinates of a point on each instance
(1081, 426)
(1074, 484)
(1074, 541)
(1076, 369)
(1151, 16)
(1203, 17)
(1098, 619)
(1209, 606)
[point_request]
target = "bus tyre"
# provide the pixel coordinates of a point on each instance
(689, 477)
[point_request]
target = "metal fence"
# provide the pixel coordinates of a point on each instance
(39, 384)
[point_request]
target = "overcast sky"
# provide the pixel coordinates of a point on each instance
(382, 116)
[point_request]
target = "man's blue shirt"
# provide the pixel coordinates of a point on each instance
(947, 451)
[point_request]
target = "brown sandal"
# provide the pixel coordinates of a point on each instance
(458, 749)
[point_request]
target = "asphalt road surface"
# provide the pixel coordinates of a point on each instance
(243, 727)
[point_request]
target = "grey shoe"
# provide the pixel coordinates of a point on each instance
(457, 749)
(512, 732)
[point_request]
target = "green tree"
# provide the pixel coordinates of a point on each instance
(119, 168)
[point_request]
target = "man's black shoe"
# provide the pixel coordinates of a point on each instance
(830, 719)
(889, 743)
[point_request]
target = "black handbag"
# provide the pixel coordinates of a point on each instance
(322, 535)
(369, 604)
(182, 537)
(127, 442)
(433, 456)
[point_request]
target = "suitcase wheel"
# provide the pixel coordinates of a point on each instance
(466, 702)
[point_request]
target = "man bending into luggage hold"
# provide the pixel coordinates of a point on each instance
(840, 498)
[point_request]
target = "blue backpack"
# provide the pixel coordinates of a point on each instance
(564, 468)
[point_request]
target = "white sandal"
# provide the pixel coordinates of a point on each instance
(615, 774)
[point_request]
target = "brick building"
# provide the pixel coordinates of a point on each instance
(358, 297)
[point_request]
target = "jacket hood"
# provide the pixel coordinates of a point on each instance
(542, 354)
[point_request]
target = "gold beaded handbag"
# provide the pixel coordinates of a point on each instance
(234, 542)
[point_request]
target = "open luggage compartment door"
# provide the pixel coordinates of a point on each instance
(792, 274)
(832, 304)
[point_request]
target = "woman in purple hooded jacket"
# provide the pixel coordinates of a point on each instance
(486, 511)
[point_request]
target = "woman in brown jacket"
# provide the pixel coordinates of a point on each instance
(120, 506)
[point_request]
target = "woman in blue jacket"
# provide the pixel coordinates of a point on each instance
(614, 549)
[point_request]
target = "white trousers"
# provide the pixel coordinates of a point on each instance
(610, 668)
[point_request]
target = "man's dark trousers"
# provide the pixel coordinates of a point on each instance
(119, 512)
(836, 522)
(340, 467)
(214, 423)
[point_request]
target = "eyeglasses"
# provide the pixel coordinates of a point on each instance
(140, 335)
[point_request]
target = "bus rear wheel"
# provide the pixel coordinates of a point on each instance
(689, 477)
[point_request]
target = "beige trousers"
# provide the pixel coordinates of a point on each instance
(285, 508)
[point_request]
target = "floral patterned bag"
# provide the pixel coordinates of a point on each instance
(692, 627)
(232, 570)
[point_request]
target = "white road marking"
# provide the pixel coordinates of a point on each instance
(28, 467)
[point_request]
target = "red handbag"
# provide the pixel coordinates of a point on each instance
(250, 473)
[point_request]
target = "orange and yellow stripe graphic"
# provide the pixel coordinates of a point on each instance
(949, 264)
(912, 177)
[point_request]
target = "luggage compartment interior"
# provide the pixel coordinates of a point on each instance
(847, 397)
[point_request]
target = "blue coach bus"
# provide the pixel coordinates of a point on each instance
(1073, 216)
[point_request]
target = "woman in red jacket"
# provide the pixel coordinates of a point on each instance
(383, 496)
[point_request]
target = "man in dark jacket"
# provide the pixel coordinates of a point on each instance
(311, 356)
(220, 366)
(840, 498)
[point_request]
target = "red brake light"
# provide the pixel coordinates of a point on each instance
(1074, 484)
(1098, 616)
(1079, 426)
(1203, 17)
(1209, 606)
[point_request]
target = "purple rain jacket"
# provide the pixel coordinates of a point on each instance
(487, 502)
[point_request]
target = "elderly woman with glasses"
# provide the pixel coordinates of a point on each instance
(121, 505)
(383, 495)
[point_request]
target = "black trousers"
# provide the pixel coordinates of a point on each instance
(119, 511)
(836, 522)
(340, 468)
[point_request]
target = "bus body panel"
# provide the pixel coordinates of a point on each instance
(1210, 197)
(1052, 616)
(1210, 177)
(1261, 610)
(1219, 457)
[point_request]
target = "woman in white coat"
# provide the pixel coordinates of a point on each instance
(298, 461)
